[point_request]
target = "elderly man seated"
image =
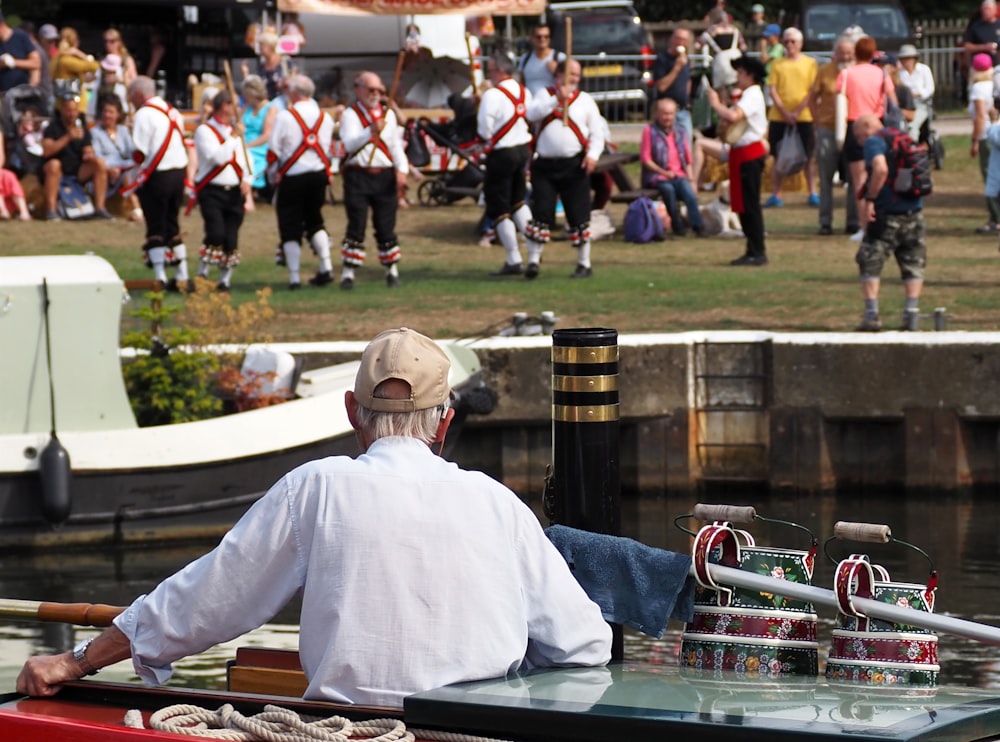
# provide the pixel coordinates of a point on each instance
(67, 151)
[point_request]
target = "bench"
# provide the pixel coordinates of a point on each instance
(627, 197)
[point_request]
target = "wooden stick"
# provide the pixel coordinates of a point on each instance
(872, 608)
(395, 78)
(231, 87)
(80, 614)
(472, 62)
(569, 58)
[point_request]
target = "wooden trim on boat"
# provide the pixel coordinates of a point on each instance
(270, 671)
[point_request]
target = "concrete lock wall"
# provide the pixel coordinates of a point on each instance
(809, 413)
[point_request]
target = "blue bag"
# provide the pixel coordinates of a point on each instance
(74, 202)
(642, 223)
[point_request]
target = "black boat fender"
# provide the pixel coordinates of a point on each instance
(54, 466)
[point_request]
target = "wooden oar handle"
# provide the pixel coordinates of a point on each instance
(80, 614)
(732, 513)
(846, 530)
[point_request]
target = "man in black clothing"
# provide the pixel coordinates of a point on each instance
(672, 77)
(67, 151)
(983, 34)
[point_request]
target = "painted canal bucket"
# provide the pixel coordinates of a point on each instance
(872, 651)
(760, 634)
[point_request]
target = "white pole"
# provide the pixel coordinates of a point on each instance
(871, 608)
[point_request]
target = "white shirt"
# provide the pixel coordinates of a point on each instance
(149, 129)
(920, 82)
(355, 136)
(753, 106)
(535, 72)
(982, 90)
(414, 574)
(286, 136)
(496, 109)
(212, 153)
(557, 139)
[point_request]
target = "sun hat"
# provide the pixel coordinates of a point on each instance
(406, 355)
(908, 51)
(982, 62)
(48, 32)
(772, 29)
(111, 63)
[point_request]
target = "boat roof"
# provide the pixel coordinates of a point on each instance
(638, 701)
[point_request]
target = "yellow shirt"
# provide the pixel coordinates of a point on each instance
(792, 80)
(825, 95)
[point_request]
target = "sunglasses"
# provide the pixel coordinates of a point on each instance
(542, 36)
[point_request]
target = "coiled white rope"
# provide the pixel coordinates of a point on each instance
(277, 724)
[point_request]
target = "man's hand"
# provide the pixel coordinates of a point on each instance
(76, 131)
(401, 183)
(88, 154)
(44, 675)
(8, 61)
(589, 163)
(868, 211)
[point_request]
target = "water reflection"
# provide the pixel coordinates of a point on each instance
(962, 535)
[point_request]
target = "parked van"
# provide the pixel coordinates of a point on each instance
(822, 21)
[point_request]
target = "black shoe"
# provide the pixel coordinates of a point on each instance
(582, 271)
(171, 286)
(826, 230)
(294, 286)
(851, 228)
(700, 233)
(103, 214)
(191, 288)
(531, 271)
(222, 287)
(347, 284)
(509, 269)
(392, 281)
(321, 279)
(751, 260)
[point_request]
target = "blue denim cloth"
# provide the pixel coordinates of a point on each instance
(670, 191)
(634, 584)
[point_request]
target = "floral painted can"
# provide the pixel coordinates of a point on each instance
(757, 633)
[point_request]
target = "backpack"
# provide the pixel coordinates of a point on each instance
(74, 203)
(723, 73)
(911, 164)
(642, 223)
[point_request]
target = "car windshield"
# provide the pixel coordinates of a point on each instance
(824, 22)
(605, 32)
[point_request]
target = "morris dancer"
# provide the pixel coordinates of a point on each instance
(502, 124)
(221, 186)
(160, 151)
(298, 153)
(375, 171)
(570, 140)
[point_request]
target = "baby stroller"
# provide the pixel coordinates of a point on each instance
(458, 136)
(16, 101)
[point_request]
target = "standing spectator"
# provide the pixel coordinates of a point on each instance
(980, 106)
(113, 45)
(790, 81)
(375, 171)
(867, 89)
(41, 77)
(68, 151)
(113, 144)
(272, 67)
(12, 201)
(501, 122)
(771, 47)
(746, 158)
(298, 153)
(823, 103)
(18, 57)
(918, 77)
(757, 24)
(983, 34)
(725, 43)
(666, 166)
(160, 151)
(48, 36)
(568, 144)
(894, 226)
(672, 77)
(258, 122)
(899, 113)
(221, 187)
(109, 85)
(538, 66)
(72, 65)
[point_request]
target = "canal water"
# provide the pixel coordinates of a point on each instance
(961, 535)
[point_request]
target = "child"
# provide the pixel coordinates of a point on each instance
(11, 194)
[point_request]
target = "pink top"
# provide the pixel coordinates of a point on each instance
(673, 157)
(866, 86)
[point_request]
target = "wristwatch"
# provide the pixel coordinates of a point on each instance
(80, 657)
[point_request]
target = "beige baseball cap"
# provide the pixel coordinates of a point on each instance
(406, 355)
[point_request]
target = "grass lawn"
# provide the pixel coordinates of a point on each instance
(810, 285)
